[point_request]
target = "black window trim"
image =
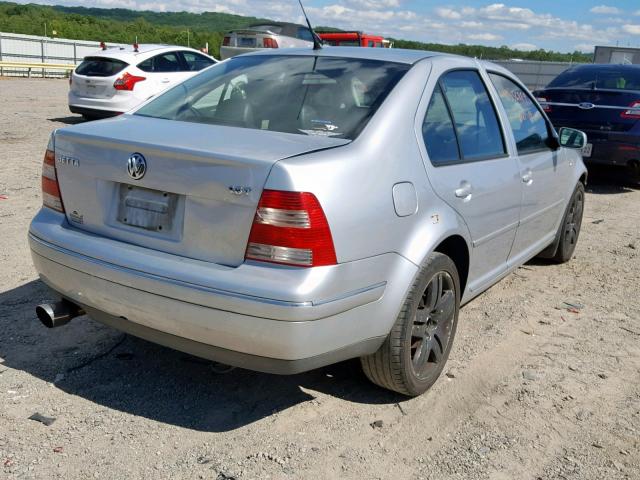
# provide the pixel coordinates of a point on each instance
(551, 131)
(461, 159)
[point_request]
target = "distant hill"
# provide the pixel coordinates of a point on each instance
(206, 21)
(124, 26)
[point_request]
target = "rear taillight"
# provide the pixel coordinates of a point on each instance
(291, 228)
(543, 103)
(127, 82)
(226, 41)
(50, 188)
(270, 43)
(633, 112)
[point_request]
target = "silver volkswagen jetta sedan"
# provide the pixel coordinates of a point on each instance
(281, 212)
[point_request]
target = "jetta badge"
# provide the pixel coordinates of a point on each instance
(136, 166)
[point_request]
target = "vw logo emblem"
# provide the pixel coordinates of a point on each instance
(136, 166)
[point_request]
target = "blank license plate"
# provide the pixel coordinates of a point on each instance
(247, 41)
(587, 150)
(146, 208)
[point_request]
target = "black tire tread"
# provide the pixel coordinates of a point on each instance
(384, 367)
(553, 251)
(561, 256)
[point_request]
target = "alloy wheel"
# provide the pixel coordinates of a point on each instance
(432, 324)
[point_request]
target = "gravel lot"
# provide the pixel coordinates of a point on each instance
(535, 388)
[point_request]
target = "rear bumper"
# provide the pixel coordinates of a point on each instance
(613, 148)
(103, 107)
(93, 112)
(267, 318)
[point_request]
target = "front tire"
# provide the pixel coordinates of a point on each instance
(414, 354)
(571, 224)
(564, 245)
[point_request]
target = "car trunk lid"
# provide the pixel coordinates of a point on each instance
(591, 109)
(198, 195)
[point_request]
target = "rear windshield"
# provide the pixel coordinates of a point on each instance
(100, 67)
(604, 78)
(333, 97)
(270, 28)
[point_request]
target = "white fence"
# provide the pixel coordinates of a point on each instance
(535, 74)
(33, 49)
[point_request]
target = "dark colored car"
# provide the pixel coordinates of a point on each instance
(604, 102)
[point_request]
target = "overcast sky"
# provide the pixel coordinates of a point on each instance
(562, 25)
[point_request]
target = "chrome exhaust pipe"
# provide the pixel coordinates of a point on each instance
(54, 315)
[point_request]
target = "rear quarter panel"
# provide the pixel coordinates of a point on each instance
(354, 183)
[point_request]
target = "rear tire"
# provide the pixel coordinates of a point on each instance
(414, 354)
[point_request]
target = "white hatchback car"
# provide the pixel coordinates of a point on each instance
(118, 79)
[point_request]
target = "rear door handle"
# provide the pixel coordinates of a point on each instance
(527, 177)
(464, 191)
(165, 80)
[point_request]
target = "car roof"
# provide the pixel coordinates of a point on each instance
(606, 67)
(397, 55)
(127, 52)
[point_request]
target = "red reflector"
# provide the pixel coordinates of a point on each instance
(127, 82)
(633, 112)
(270, 43)
(50, 187)
(543, 103)
(226, 41)
(291, 228)
(51, 196)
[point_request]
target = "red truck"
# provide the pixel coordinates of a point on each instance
(354, 39)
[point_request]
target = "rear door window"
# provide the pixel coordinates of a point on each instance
(100, 67)
(438, 131)
(196, 62)
(529, 127)
(474, 116)
(163, 63)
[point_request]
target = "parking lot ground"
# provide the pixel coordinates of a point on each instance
(543, 380)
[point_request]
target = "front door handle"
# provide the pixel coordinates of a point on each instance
(464, 191)
(527, 177)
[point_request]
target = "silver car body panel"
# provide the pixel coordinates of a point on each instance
(196, 289)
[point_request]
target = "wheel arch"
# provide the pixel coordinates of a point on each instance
(583, 179)
(456, 248)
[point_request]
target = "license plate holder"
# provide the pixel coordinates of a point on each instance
(145, 208)
(247, 42)
(587, 150)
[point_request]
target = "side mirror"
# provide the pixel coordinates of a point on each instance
(572, 138)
